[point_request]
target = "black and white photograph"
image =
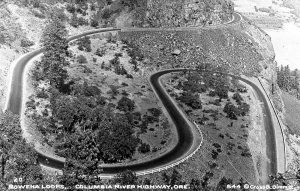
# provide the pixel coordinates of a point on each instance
(150, 95)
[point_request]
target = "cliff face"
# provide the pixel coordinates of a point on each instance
(180, 13)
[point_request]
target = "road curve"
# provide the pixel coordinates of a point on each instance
(189, 137)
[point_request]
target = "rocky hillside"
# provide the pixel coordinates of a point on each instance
(181, 13)
(242, 48)
(169, 13)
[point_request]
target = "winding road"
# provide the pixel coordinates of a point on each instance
(189, 135)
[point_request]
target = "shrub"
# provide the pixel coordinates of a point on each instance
(86, 69)
(82, 21)
(118, 54)
(94, 23)
(84, 44)
(94, 59)
(238, 98)
(26, 43)
(124, 84)
(125, 104)
(106, 13)
(100, 52)
(38, 14)
(81, 59)
(212, 93)
(115, 61)
(244, 109)
(214, 154)
(42, 94)
(231, 110)
(191, 100)
(129, 76)
(144, 148)
(74, 21)
(93, 7)
(155, 112)
(120, 70)
(71, 8)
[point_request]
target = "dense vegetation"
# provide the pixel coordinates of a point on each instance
(18, 159)
(288, 80)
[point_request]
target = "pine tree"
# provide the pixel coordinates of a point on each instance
(56, 50)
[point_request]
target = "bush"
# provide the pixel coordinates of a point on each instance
(155, 112)
(94, 23)
(71, 8)
(42, 94)
(74, 21)
(84, 44)
(129, 76)
(86, 69)
(81, 59)
(238, 98)
(120, 70)
(118, 54)
(231, 111)
(115, 61)
(212, 93)
(124, 84)
(191, 100)
(244, 109)
(82, 21)
(38, 14)
(100, 52)
(125, 104)
(26, 43)
(93, 7)
(94, 59)
(106, 13)
(144, 148)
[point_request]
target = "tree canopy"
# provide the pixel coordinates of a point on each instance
(56, 50)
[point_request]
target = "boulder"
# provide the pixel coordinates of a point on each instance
(176, 52)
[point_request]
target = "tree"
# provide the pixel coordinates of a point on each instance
(18, 159)
(222, 91)
(71, 8)
(191, 100)
(94, 23)
(238, 98)
(56, 50)
(144, 148)
(84, 44)
(231, 111)
(243, 109)
(74, 20)
(81, 59)
(100, 52)
(125, 104)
